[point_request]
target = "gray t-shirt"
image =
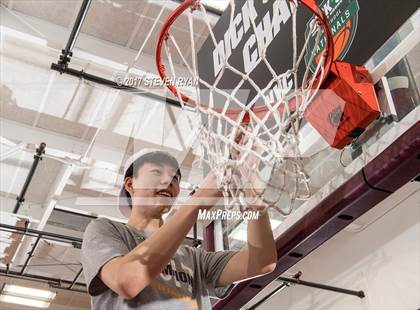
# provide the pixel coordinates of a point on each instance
(185, 283)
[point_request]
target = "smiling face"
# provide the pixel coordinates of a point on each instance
(154, 185)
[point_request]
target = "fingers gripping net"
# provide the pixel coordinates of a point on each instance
(252, 145)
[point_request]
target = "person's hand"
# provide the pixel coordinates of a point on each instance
(248, 171)
(241, 138)
(208, 194)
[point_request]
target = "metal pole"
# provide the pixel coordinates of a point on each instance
(37, 157)
(76, 278)
(281, 287)
(64, 59)
(67, 289)
(30, 255)
(45, 235)
(78, 25)
(98, 80)
(359, 294)
(67, 52)
(76, 242)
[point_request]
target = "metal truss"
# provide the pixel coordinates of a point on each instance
(54, 282)
(39, 235)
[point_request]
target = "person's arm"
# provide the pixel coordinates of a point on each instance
(260, 254)
(128, 275)
(258, 257)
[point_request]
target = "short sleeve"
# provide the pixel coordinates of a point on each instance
(101, 243)
(212, 265)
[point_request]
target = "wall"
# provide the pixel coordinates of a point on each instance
(379, 254)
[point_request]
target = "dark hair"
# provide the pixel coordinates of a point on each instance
(158, 158)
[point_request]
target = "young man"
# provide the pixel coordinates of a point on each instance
(143, 265)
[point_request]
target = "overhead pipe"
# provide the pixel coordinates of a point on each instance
(101, 81)
(67, 52)
(40, 151)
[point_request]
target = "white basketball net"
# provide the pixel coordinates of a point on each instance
(267, 161)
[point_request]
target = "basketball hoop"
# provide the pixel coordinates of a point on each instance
(269, 162)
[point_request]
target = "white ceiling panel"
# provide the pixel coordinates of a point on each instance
(58, 12)
(112, 21)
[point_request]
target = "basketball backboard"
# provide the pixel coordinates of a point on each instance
(357, 36)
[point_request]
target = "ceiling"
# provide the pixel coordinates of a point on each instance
(91, 124)
(89, 130)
